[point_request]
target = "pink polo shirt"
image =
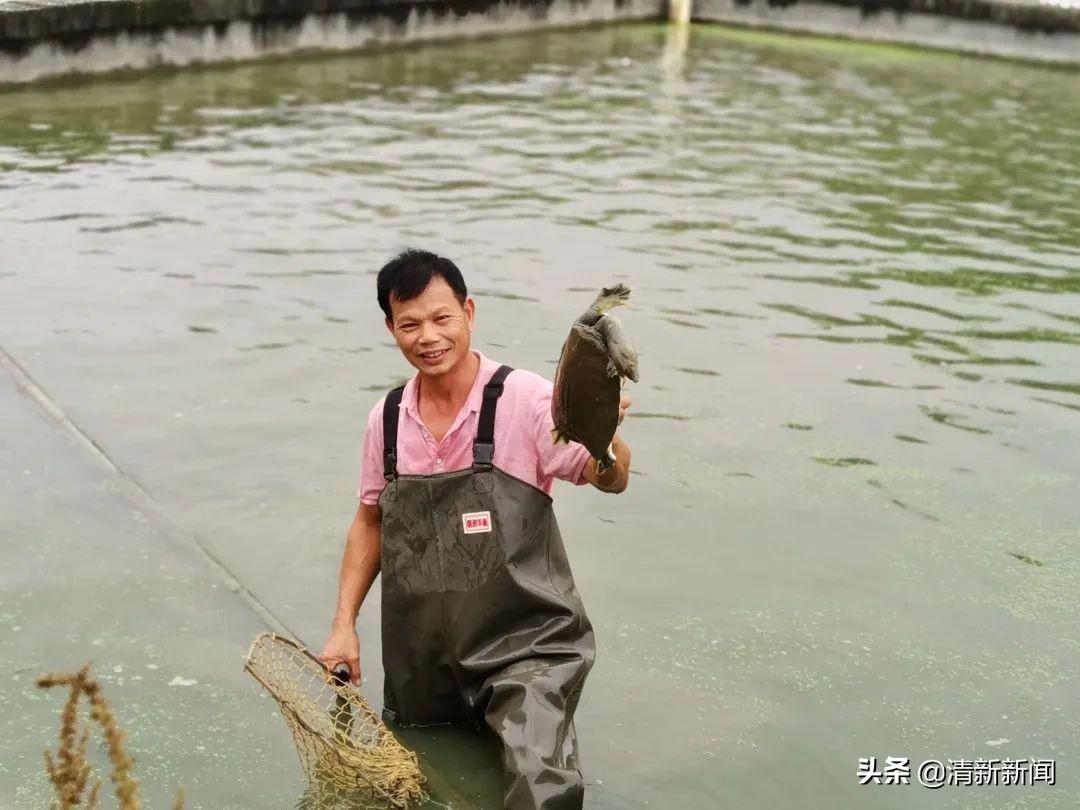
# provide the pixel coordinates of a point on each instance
(523, 445)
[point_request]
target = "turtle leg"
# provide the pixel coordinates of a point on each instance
(611, 370)
(618, 346)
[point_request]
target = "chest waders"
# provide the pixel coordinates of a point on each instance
(480, 616)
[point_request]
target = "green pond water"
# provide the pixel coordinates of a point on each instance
(854, 527)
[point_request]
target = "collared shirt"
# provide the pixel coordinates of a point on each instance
(523, 444)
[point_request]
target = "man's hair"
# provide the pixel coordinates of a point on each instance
(409, 273)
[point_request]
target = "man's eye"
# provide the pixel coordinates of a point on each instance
(442, 318)
(405, 327)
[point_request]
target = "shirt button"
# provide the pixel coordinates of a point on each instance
(439, 461)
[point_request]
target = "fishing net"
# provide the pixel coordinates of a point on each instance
(342, 742)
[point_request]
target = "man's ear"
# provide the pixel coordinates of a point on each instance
(390, 326)
(470, 313)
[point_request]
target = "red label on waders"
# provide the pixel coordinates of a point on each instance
(476, 522)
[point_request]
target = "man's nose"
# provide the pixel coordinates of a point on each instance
(427, 332)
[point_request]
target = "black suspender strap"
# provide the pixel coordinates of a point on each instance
(484, 446)
(389, 431)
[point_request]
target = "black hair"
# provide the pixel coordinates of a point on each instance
(409, 273)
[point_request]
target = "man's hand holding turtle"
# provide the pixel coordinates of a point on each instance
(624, 406)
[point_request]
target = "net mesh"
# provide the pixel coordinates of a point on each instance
(343, 744)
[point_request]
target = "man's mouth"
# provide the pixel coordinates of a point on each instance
(433, 355)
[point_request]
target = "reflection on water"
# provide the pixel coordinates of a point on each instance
(857, 304)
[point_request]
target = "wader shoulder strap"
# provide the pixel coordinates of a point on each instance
(389, 431)
(484, 446)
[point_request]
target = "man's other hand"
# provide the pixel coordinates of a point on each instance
(343, 647)
(616, 477)
(624, 404)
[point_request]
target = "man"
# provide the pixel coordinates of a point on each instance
(480, 615)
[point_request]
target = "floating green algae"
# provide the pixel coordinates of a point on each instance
(910, 439)
(949, 419)
(822, 45)
(1062, 387)
(852, 461)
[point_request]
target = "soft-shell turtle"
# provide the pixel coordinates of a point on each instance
(596, 358)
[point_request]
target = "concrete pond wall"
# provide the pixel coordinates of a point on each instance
(45, 38)
(42, 38)
(1021, 29)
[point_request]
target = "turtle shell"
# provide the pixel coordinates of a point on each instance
(585, 399)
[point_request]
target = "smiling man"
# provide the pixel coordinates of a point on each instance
(481, 621)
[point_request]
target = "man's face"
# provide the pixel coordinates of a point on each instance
(433, 329)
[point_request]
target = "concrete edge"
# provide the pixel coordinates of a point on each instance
(47, 38)
(35, 20)
(91, 46)
(1012, 31)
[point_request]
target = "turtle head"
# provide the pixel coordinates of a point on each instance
(609, 297)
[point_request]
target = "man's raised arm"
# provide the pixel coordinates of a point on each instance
(359, 567)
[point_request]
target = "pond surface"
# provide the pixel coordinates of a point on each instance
(853, 530)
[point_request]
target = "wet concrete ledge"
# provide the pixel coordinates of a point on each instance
(43, 38)
(1017, 29)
